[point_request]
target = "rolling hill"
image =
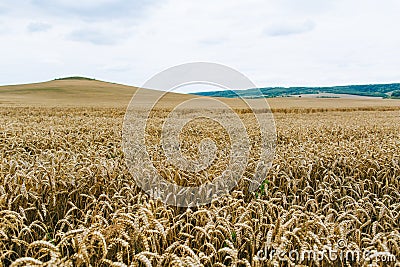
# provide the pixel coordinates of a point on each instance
(74, 92)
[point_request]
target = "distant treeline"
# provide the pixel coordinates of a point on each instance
(373, 90)
(396, 94)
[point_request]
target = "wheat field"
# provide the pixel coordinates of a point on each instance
(68, 199)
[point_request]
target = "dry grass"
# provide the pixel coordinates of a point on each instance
(67, 199)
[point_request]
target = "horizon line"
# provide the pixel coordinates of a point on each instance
(84, 78)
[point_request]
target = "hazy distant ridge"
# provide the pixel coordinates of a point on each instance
(374, 90)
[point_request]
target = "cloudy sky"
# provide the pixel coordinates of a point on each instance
(273, 42)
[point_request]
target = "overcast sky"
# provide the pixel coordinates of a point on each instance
(273, 42)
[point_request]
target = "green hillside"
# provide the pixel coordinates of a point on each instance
(372, 90)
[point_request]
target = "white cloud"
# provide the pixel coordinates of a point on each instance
(118, 67)
(274, 42)
(91, 10)
(285, 28)
(93, 36)
(82, 3)
(38, 27)
(2, 10)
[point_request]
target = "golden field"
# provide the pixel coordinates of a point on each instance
(67, 198)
